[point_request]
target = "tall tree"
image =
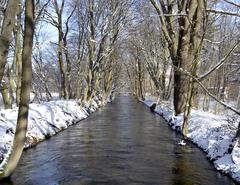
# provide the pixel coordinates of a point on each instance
(184, 41)
(22, 120)
(6, 33)
(59, 13)
(184, 44)
(18, 53)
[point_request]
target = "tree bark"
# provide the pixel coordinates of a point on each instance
(7, 101)
(140, 79)
(238, 99)
(6, 34)
(58, 24)
(18, 55)
(63, 92)
(91, 48)
(183, 51)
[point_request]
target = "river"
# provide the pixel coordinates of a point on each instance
(122, 143)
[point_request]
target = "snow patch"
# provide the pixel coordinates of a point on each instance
(182, 143)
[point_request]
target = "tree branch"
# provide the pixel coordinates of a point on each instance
(221, 62)
(232, 3)
(206, 90)
(223, 12)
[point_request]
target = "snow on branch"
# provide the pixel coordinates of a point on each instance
(223, 12)
(172, 15)
(213, 42)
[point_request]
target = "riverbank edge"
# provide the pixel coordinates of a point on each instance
(223, 163)
(40, 128)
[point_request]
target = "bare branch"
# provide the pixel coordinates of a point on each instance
(41, 11)
(163, 20)
(172, 15)
(207, 91)
(221, 62)
(232, 3)
(223, 12)
(213, 42)
(68, 19)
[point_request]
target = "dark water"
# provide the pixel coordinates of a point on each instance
(123, 143)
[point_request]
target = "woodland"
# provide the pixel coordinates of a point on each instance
(185, 53)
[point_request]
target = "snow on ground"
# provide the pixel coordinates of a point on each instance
(213, 133)
(45, 120)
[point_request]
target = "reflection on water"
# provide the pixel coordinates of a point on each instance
(183, 169)
(7, 181)
(123, 143)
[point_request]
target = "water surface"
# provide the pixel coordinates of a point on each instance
(122, 143)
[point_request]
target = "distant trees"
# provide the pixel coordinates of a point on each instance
(220, 50)
(57, 21)
(146, 42)
(87, 66)
(105, 23)
(80, 64)
(88, 32)
(175, 50)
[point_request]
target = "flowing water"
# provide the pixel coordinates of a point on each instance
(122, 143)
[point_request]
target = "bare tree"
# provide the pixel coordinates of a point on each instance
(20, 134)
(6, 34)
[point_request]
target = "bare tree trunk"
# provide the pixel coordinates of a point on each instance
(59, 26)
(68, 71)
(182, 50)
(206, 99)
(80, 55)
(91, 48)
(63, 92)
(188, 107)
(164, 71)
(18, 55)
(11, 82)
(7, 101)
(66, 52)
(169, 86)
(48, 93)
(6, 34)
(218, 92)
(19, 137)
(7, 89)
(238, 99)
(140, 79)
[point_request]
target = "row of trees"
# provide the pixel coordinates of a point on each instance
(187, 52)
(80, 61)
(175, 49)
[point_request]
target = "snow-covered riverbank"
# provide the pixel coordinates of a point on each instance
(213, 133)
(45, 120)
